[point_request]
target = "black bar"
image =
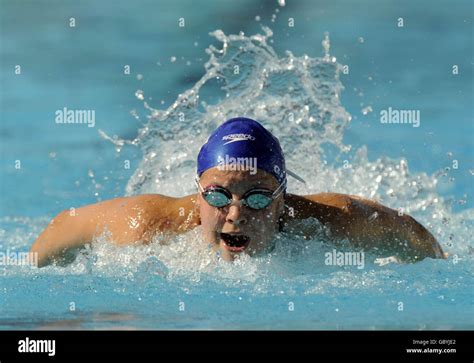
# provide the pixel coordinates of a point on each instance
(291, 346)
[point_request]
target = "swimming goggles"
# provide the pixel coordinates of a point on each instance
(256, 199)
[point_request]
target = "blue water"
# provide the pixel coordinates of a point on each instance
(156, 287)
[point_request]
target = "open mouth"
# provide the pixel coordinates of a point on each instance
(235, 242)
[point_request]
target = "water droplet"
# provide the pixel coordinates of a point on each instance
(326, 45)
(139, 94)
(373, 216)
(366, 110)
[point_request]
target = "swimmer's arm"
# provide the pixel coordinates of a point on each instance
(63, 236)
(127, 220)
(372, 226)
(381, 227)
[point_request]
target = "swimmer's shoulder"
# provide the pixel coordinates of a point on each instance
(344, 203)
(140, 217)
(348, 213)
(167, 214)
(321, 204)
(332, 209)
(336, 200)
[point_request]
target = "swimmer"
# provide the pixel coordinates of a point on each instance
(242, 205)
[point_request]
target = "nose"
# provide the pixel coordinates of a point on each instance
(235, 215)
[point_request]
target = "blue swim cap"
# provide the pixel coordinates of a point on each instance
(243, 138)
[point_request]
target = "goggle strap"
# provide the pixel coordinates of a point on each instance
(278, 191)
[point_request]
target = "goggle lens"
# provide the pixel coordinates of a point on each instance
(216, 198)
(258, 200)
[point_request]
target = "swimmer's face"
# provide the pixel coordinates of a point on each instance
(256, 227)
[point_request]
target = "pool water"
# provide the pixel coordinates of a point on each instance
(183, 83)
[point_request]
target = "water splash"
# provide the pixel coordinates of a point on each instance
(297, 98)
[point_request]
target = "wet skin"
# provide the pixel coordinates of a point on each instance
(137, 219)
